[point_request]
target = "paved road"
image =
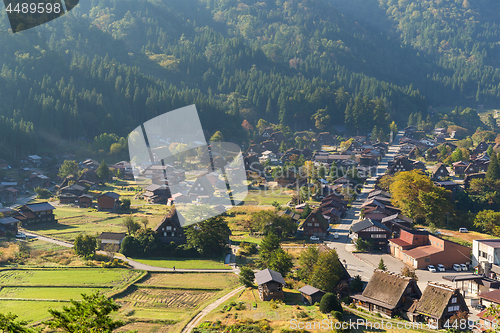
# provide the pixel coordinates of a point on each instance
(134, 264)
(196, 320)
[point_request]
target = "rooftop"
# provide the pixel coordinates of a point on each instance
(495, 243)
(268, 275)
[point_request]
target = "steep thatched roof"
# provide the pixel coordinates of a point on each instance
(434, 300)
(387, 287)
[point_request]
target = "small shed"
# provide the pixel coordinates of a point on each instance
(271, 285)
(85, 201)
(108, 201)
(111, 240)
(311, 294)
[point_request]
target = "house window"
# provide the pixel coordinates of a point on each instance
(454, 300)
(427, 259)
(453, 308)
(173, 234)
(309, 224)
(165, 234)
(312, 219)
(316, 224)
(169, 228)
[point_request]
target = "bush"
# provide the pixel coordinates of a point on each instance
(302, 314)
(330, 302)
(347, 300)
(338, 315)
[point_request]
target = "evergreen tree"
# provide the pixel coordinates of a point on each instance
(381, 265)
(493, 172)
(330, 302)
(269, 244)
(103, 171)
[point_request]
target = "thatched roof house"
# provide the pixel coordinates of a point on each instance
(388, 294)
(438, 304)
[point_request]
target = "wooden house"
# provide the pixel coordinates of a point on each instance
(42, 212)
(389, 294)
(201, 187)
(314, 145)
(438, 304)
(311, 295)
(266, 133)
(8, 224)
(85, 201)
(396, 222)
(325, 138)
(401, 163)
(315, 225)
(254, 149)
(157, 193)
(270, 284)
(111, 241)
(277, 138)
(108, 201)
(468, 178)
(169, 229)
(459, 167)
(440, 171)
(371, 230)
(269, 145)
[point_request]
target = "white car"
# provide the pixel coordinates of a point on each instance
(457, 267)
(314, 238)
(336, 235)
(21, 235)
(431, 268)
(463, 230)
(441, 268)
(464, 267)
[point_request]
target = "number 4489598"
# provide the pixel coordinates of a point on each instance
(32, 8)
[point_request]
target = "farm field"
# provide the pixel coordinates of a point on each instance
(185, 263)
(29, 293)
(173, 298)
(190, 280)
(67, 277)
(74, 220)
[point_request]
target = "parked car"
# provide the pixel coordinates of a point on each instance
(21, 235)
(463, 230)
(314, 238)
(441, 268)
(437, 233)
(479, 307)
(336, 235)
(431, 268)
(457, 267)
(464, 267)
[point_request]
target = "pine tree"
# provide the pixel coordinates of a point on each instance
(381, 265)
(493, 172)
(103, 171)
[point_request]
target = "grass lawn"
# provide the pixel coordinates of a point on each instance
(242, 236)
(48, 293)
(67, 277)
(30, 311)
(189, 280)
(267, 197)
(185, 263)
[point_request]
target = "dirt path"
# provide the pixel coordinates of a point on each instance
(209, 308)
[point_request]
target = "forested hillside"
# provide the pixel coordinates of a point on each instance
(113, 64)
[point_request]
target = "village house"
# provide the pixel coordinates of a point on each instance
(389, 294)
(490, 298)
(8, 224)
(169, 229)
(277, 138)
(370, 230)
(396, 222)
(311, 294)
(269, 145)
(440, 171)
(42, 212)
(270, 284)
(438, 304)
(8, 195)
(254, 149)
(459, 167)
(108, 201)
(85, 201)
(178, 198)
(266, 133)
(418, 249)
(401, 163)
(268, 156)
(325, 138)
(315, 225)
(486, 257)
(111, 241)
(157, 193)
(468, 178)
(201, 187)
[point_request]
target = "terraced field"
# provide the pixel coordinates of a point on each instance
(192, 280)
(168, 298)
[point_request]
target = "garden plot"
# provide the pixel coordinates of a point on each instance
(192, 280)
(167, 298)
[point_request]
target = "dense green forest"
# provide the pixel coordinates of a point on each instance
(110, 65)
